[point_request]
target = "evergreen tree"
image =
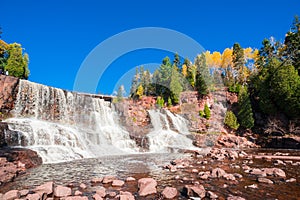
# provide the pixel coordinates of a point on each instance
(120, 93)
(245, 114)
(238, 61)
(175, 85)
(134, 83)
(203, 78)
(206, 111)
(176, 61)
(231, 120)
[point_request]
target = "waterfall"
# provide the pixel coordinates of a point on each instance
(169, 132)
(62, 125)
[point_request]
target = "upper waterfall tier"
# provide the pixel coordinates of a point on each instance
(62, 125)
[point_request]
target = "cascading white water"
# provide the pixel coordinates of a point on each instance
(163, 138)
(63, 126)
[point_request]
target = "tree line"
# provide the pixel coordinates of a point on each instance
(13, 60)
(267, 77)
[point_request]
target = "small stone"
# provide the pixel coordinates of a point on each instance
(211, 195)
(45, 188)
(264, 180)
(235, 198)
(279, 172)
(97, 197)
(75, 198)
(77, 193)
(23, 192)
(83, 186)
(258, 172)
(195, 171)
(11, 195)
(108, 179)
(112, 194)
(253, 186)
(61, 191)
(237, 175)
(101, 192)
(229, 177)
(177, 177)
(33, 196)
(169, 193)
(117, 183)
(128, 179)
(291, 180)
(217, 173)
(126, 196)
(194, 191)
(97, 180)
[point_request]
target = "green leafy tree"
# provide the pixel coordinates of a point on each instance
(231, 120)
(169, 102)
(245, 114)
(160, 102)
(17, 62)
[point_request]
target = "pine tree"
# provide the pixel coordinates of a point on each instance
(203, 78)
(231, 120)
(175, 85)
(245, 114)
(206, 111)
(238, 61)
(120, 93)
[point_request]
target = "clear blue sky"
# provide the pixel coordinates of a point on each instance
(58, 35)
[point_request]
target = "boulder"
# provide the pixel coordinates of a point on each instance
(45, 188)
(194, 191)
(291, 180)
(23, 192)
(77, 193)
(169, 193)
(279, 172)
(61, 191)
(147, 186)
(83, 186)
(11, 195)
(235, 198)
(229, 177)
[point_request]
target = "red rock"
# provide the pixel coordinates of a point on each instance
(147, 186)
(291, 180)
(117, 183)
(83, 186)
(108, 179)
(45, 188)
(279, 172)
(194, 191)
(128, 179)
(97, 197)
(235, 198)
(264, 180)
(217, 173)
(97, 180)
(258, 172)
(23, 192)
(76, 198)
(169, 193)
(211, 195)
(126, 196)
(11, 195)
(77, 193)
(229, 177)
(61, 191)
(33, 196)
(101, 192)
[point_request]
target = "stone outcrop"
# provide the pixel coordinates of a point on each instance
(8, 93)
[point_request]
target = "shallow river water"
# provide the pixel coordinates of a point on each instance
(151, 165)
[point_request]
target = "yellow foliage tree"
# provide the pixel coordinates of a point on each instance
(184, 70)
(208, 58)
(140, 91)
(216, 58)
(226, 58)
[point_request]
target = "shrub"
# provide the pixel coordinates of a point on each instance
(206, 111)
(231, 120)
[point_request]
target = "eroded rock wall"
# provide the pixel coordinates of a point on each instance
(8, 94)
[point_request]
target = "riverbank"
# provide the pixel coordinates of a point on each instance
(221, 174)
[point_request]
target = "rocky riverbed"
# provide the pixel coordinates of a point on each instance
(221, 174)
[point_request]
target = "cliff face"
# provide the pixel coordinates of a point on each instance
(8, 94)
